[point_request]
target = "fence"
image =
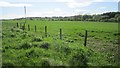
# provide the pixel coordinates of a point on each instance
(45, 30)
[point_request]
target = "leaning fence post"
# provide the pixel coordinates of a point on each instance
(28, 27)
(35, 28)
(60, 33)
(45, 31)
(85, 40)
(17, 25)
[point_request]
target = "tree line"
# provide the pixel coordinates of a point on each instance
(105, 17)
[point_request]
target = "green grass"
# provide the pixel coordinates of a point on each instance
(32, 48)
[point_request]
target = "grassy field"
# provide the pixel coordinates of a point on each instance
(30, 48)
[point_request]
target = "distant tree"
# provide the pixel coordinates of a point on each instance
(117, 17)
(86, 17)
(105, 17)
(31, 18)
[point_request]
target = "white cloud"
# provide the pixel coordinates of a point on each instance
(56, 0)
(81, 11)
(87, 0)
(91, 12)
(28, 1)
(82, 3)
(62, 0)
(7, 4)
(69, 3)
(102, 7)
(50, 13)
(57, 10)
(11, 16)
(78, 3)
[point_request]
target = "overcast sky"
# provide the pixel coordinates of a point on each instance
(10, 9)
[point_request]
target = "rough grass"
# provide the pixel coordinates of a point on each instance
(32, 48)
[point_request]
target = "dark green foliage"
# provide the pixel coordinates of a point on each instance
(78, 58)
(80, 34)
(67, 50)
(105, 17)
(25, 45)
(12, 35)
(7, 65)
(117, 34)
(71, 41)
(45, 63)
(45, 45)
(18, 30)
(12, 29)
(24, 35)
(32, 53)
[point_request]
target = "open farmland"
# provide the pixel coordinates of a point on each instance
(33, 48)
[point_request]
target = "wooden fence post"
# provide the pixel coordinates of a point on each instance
(28, 27)
(24, 26)
(17, 25)
(35, 28)
(60, 33)
(45, 31)
(20, 25)
(85, 40)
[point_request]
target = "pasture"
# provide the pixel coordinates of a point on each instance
(33, 48)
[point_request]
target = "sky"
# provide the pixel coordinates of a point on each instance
(10, 9)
